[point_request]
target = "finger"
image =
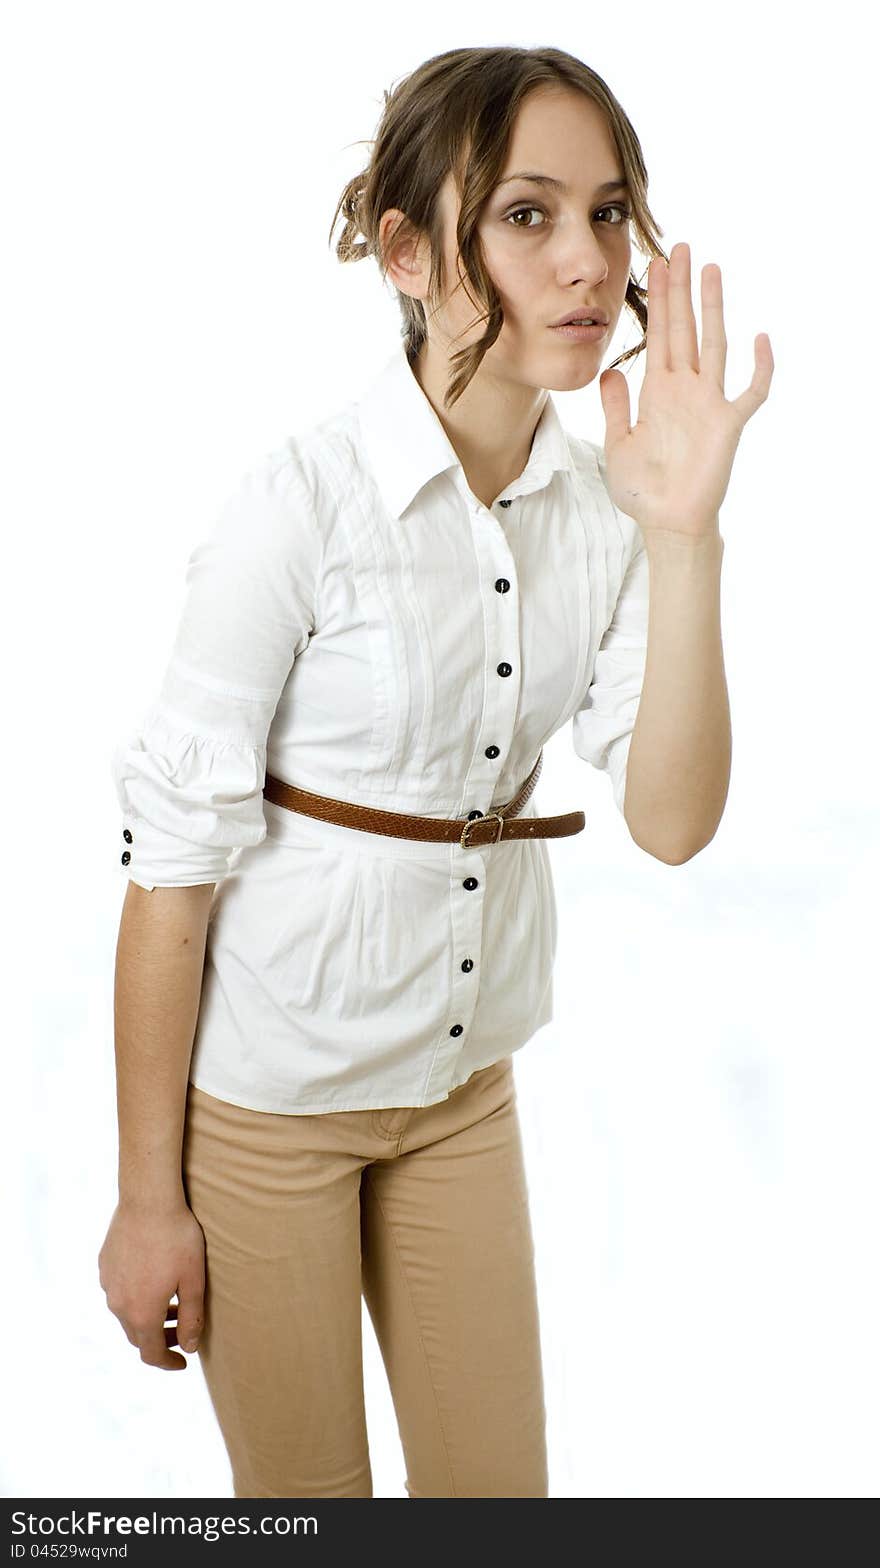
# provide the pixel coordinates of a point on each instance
(156, 1353)
(152, 1339)
(657, 344)
(756, 392)
(149, 1339)
(713, 344)
(682, 328)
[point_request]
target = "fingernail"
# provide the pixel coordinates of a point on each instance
(190, 1344)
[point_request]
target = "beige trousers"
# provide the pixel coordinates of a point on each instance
(424, 1211)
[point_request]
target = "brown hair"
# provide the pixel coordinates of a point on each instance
(456, 113)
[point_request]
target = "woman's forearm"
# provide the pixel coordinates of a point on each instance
(678, 771)
(160, 958)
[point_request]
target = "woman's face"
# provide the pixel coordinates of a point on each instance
(548, 249)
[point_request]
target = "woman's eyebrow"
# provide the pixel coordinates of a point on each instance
(548, 179)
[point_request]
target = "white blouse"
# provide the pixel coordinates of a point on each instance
(357, 623)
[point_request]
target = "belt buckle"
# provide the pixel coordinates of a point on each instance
(471, 822)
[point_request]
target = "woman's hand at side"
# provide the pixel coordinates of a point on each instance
(148, 1256)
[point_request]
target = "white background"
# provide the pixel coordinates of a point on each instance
(704, 1195)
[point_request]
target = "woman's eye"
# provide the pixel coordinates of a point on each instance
(619, 207)
(516, 213)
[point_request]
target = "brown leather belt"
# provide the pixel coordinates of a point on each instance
(469, 832)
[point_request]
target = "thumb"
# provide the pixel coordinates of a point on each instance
(615, 403)
(190, 1312)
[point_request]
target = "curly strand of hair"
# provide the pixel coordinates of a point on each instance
(350, 206)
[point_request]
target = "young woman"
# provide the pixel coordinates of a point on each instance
(340, 922)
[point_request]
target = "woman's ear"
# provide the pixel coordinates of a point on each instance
(405, 253)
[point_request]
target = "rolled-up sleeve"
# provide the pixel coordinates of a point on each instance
(189, 779)
(602, 727)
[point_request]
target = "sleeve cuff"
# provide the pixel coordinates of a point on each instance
(154, 858)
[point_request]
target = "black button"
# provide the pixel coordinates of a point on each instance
(470, 883)
(502, 585)
(473, 814)
(492, 751)
(456, 1029)
(468, 965)
(126, 857)
(127, 836)
(505, 669)
(506, 503)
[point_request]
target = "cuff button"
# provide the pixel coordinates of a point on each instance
(126, 834)
(126, 858)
